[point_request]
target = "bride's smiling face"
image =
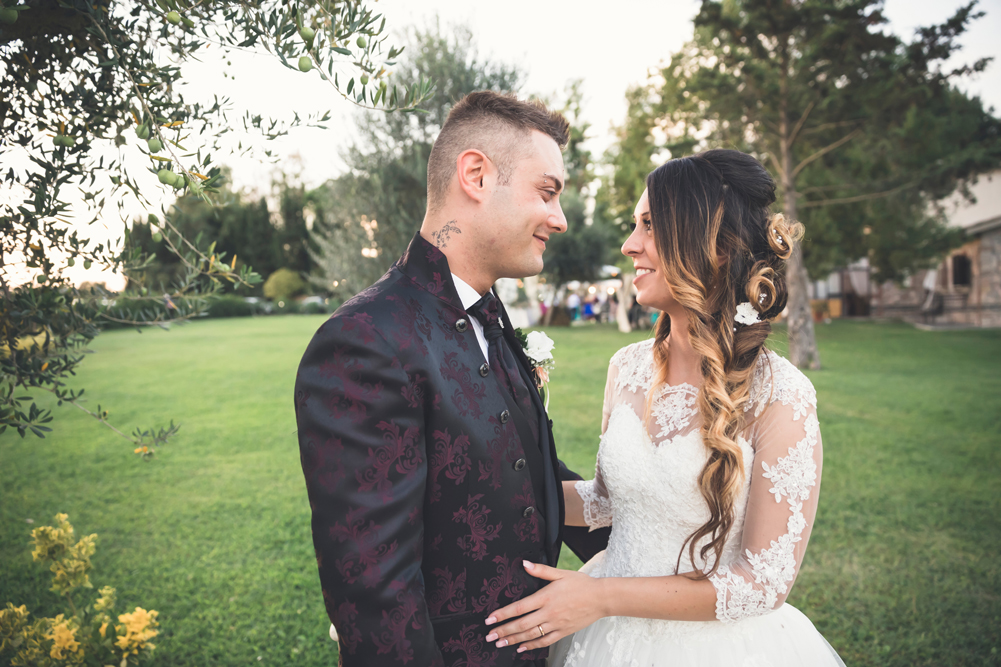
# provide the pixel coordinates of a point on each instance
(651, 287)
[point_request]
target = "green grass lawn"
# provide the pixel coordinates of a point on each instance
(904, 567)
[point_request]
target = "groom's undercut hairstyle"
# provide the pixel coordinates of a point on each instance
(499, 125)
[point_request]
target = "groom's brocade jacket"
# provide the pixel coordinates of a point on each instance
(429, 483)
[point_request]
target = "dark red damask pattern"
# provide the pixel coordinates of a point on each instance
(417, 510)
(448, 596)
(466, 398)
(365, 552)
(326, 461)
(413, 326)
(353, 399)
(449, 456)
(402, 454)
(476, 517)
(510, 581)
(472, 650)
(360, 327)
(504, 448)
(345, 617)
(529, 528)
(414, 392)
(396, 622)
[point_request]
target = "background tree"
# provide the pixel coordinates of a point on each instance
(79, 78)
(861, 130)
(580, 253)
(367, 217)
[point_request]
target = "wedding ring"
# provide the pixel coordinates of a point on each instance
(541, 632)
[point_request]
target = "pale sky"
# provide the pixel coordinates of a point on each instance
(611, 46)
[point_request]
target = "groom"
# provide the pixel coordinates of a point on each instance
(428, 456)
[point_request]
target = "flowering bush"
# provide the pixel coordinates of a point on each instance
(87, 635)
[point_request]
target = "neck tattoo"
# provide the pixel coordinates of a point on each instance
(442, 236)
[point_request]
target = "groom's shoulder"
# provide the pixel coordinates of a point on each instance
(368, 312)
(394, 302)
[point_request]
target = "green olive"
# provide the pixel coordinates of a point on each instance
(173, 18)
(364, 79)
(157, 237)
(154, 145)
(305, 64)
(86, 263)
(142, 131)
(361, 42)
(307, 34)
(8, 15)
(166, 176)
(70, 262)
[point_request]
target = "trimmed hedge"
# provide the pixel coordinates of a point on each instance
(227, 305)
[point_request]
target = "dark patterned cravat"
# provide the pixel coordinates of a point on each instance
(500, 357)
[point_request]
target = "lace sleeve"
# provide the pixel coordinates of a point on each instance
(781, 507)
(597, 504)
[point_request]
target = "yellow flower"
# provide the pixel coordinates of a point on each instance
(63, 638)
(106, 601)
(104, 627)
(137, 450)
(138, 628)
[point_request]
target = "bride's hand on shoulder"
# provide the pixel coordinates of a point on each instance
(572, 601)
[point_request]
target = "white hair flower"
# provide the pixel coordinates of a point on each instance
(746, 314)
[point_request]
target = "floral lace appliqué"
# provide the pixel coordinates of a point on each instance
(636, 367)
(674, 408)
(597, 508)
(773, 568)
(776, 379)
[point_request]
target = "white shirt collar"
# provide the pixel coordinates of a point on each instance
(467, 295)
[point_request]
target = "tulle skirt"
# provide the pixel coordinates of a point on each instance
(782, 638)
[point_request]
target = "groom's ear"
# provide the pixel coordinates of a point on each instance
(471, 166)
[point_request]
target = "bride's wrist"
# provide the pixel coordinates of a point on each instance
(606, 596)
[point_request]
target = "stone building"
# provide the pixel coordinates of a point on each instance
(965, 289)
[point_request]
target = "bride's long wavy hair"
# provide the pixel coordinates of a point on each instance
(709, 205)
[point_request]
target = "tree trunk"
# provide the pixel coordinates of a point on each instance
(557, 298)
(625, 299)
(532, 293)
(802, 340)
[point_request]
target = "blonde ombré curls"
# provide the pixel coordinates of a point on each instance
(710, 205)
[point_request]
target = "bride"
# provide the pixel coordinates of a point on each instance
(710, 456)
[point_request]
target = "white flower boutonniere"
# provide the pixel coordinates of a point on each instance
(539, 350)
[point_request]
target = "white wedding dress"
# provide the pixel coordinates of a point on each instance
(646, 488)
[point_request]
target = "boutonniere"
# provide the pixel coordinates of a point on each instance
(539, 350)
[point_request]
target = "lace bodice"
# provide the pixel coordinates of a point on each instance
(646, 482)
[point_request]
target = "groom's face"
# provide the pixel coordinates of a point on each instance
(525, 211)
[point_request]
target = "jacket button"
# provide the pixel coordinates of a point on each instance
(529, 511)
(504, 416)
(461, 325)
(484, 370)
(520, 464)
